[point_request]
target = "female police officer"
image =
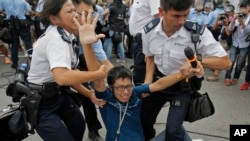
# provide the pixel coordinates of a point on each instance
(52, 73)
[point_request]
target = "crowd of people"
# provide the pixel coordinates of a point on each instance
(70, 44)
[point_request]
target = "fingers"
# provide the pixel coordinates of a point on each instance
(83, 17)
(89, 16)
(99, 102)
(94, 22)
(144, 95)
(199, 71)
(99, 36)
(76, 22)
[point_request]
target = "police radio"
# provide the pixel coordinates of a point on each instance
(195, 35)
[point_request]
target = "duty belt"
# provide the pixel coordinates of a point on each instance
(39, 88)
(181, 86)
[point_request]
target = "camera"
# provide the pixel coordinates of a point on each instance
(240, 15)
(223, 16)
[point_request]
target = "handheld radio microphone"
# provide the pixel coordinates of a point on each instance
(191, 57)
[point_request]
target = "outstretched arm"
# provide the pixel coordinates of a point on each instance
(88, 37)
(186, 71)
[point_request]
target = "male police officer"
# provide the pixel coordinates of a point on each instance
(164, 42)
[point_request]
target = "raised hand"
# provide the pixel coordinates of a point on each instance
(86, 29)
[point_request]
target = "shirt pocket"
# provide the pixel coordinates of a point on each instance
(177, 57)
(158, 56)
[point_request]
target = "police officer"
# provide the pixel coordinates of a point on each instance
(212, 16)
(142, 12)
(164, 42)
(196, 14)
(20, 26)
(53, 73)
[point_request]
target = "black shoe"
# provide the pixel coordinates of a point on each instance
(94, 136)
(14, 65)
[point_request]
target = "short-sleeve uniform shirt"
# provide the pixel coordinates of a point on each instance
(169, 53)
(50, 51)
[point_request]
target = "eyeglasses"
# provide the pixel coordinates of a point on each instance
(122, 88)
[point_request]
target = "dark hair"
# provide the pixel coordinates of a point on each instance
(88, 2)
(51, 7)
(177, 5)
(117, 73)
(244, 3)
(229, 7)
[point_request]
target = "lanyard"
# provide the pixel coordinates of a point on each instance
(74, 44)
(121, 119)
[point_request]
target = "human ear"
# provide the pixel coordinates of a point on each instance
(54, 20)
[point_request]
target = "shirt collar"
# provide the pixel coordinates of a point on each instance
(181, 32)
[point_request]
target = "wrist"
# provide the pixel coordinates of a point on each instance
(199, 58)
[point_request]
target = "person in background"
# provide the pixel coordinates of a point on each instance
(164, 41)
(246, 84)
(4, 50)
(196, 14)
(116, 21)
(99, 10)
(225, 37)
(142, 12)
(39, 27)
(207, 8)
(20, 26)
(89, 108)
(53, 72)
(240, 28)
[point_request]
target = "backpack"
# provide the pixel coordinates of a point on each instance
(116, 17)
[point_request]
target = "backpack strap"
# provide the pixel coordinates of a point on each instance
(151, 25)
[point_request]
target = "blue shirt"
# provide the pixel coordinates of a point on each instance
(99, 11)
(15, 8)
(211, 19)
(39, 6)
(131, 128)
(196, 16)
(98, 50)
(239, 35)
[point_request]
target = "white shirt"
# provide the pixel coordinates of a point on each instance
(168, 52)
(142, 12)
(49, 52)
(39, 6)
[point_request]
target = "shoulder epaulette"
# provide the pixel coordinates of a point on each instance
(191, 26)
(151, 25)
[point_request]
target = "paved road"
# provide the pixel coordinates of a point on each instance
(231, 105)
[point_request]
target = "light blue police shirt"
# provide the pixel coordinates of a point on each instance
(98, 50)
(211, 19)
(16, 8)
(198, 17)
